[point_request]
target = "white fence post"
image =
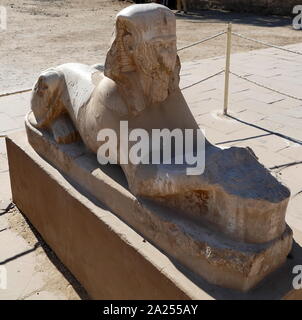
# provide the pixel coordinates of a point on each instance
(227, 69)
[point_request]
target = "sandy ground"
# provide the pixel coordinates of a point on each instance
(45, 33)
(56, 278)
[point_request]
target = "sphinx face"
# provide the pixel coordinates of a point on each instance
(159, 54)
(143, 58)
(155, 61)
(149, 41)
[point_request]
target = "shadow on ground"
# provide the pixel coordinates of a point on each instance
(53, 258)
(221, 16)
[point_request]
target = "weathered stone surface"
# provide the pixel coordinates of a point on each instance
(111, 260)
(234, 199)
(199, 247)
(252, 210)
(102, 252)
(140, 85)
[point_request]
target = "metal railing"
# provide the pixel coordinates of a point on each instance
(227, 71)
(203, 40)
(203, 80)
(265, 87)
(15, 92)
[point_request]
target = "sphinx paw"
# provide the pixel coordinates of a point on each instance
(63, 130)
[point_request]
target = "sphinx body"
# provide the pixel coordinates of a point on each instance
(235, 195)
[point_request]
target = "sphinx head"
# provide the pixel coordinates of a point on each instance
(45, 99)
(144, 45)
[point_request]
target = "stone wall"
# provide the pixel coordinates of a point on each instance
(280, 7)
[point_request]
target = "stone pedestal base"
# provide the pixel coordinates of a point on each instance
(110, 259)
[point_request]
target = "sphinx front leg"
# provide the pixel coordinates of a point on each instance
(64, 130)
(236, 195)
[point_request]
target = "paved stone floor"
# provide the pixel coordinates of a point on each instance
(266, 121)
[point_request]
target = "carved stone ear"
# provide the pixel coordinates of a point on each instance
(63, 130)
(128, 41)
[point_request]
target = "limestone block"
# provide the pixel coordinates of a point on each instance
(198, 247)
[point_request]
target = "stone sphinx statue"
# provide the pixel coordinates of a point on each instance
(234, 195)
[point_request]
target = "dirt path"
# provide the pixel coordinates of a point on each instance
(44, 33)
